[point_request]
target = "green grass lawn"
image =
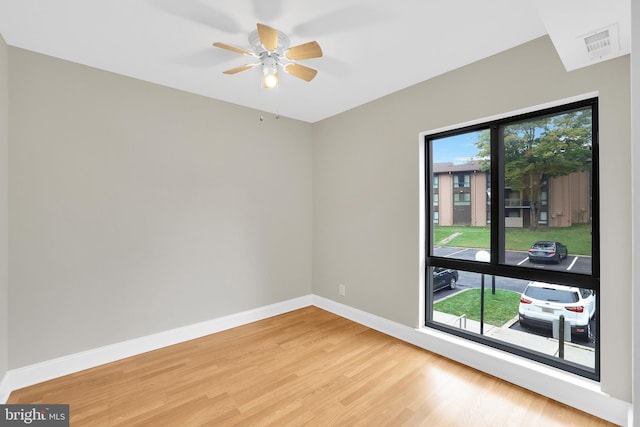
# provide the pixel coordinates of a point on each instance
(577, 238)
(498, 308)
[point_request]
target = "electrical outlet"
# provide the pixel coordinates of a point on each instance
(342, 290)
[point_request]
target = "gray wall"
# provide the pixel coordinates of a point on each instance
(635, 132)
(366, 178)
(4, 212)
(136, 208)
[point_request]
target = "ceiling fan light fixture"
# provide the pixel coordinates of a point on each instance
(270, 70)
(270, 80)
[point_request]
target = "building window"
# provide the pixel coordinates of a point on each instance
(462, 180)
(461, 199)
(544, 205)
(527, 282)
(436, 181)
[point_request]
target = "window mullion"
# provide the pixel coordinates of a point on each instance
(497, 201)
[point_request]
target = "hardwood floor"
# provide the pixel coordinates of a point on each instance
(306, 367)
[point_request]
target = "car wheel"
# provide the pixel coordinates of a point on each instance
(452, 283)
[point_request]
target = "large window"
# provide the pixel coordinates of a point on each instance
(512, 253)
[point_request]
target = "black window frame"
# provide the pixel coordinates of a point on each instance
(497, 266)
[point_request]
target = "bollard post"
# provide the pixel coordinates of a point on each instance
(482, 305)
(561, 337)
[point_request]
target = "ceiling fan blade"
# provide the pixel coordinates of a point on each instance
(304, 51)
(301, 72)
(241, 68)
(233, 49)
(268, 37)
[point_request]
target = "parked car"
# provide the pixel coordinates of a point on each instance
(545, 250)
(541, 303)
(444, 278)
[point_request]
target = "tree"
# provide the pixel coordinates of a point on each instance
(542, 148)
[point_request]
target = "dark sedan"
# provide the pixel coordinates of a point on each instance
(444, 278)
(547, 251)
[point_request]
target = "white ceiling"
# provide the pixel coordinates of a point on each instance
(371, 47)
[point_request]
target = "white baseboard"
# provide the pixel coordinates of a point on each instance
(44, 371)
(569, 389)
(556, 384)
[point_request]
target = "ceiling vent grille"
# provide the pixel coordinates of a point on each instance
(602, 43)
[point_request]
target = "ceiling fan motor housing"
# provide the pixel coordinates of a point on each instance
(269, 62)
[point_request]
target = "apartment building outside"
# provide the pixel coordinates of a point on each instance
(462, 196)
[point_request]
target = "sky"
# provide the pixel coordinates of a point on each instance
(457, 149)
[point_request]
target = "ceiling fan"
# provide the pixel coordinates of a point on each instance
(271, 49)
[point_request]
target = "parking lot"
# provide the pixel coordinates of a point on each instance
(467, 280)
(573, 263)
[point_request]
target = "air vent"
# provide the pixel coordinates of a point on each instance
(598, 45)
(602, 43)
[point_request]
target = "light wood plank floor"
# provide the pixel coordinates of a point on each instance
(307, 367)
